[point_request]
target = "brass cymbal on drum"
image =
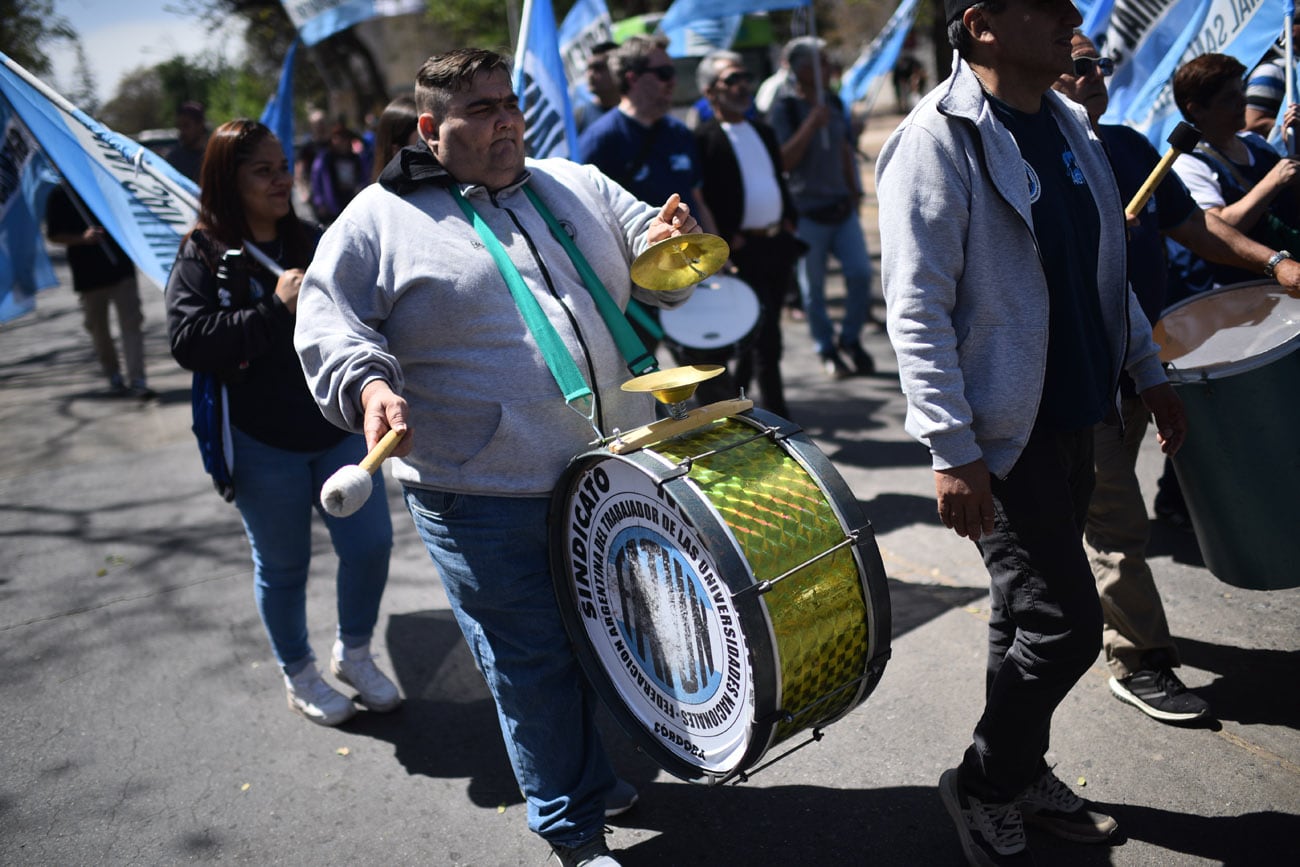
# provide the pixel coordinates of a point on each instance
(675, 263)
(674, 385)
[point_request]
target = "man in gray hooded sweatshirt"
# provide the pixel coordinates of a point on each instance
(1003, 261)
(406, 321)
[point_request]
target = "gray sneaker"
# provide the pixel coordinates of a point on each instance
(593, 853)
(311, 696)
(1049, 804)
(356, 667)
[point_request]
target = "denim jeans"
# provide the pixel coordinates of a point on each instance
(275, 492)
(492, 554)
(1136, 630)
(1045, 620)
(846, 241)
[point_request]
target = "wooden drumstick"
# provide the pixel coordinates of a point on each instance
(349, 488)
(1181, 141)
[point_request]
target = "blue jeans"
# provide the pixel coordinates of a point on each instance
(275, 492)
(492, 554)
(1045, 620)
(846, 241)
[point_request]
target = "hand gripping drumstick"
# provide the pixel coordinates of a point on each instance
(349, 488)
(1181, 141)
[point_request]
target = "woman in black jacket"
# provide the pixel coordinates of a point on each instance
(232, 317)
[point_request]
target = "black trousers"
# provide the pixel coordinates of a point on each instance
(1046, 621)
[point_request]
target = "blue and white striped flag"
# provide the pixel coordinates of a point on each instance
(683, 12)
(880, 56)
(144, 203)
(321, 19)
(699, 37)
(540, 84)
(25, 182)
(588, 24)
(1150, 39)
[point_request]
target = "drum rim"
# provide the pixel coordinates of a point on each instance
(1223, 370)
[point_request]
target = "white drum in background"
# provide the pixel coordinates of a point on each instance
(722, 312)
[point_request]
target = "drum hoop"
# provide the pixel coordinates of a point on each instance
(1223, 370)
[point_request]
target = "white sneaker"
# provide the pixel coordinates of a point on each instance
(356, 667)
(315, 699)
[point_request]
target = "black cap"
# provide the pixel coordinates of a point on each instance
(954, 8)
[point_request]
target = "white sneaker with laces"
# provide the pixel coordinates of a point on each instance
(356, 667)
(315, 699)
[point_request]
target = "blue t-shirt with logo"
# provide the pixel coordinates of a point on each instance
(616, 144)
(1078, 382)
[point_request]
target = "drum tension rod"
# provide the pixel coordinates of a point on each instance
(767, 584)
(743, 776)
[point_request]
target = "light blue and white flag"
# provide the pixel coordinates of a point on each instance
(320, 19)
(588, 24)
(1096, 16)
(1148, 49)
(539, 83)
(697, 38)
(683, 12)
(880, 56)
(139, 199)
(25, 182)
(278, 114)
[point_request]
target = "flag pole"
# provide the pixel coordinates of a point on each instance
(1288, 134)
(58, 99)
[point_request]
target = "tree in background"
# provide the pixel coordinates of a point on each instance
(27, 27)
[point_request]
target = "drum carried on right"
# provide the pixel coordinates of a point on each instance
(1233, 356)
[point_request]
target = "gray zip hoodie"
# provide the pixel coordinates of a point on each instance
(965, 292)
(403, 289)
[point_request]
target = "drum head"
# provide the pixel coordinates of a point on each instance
(1227, 331)
(721, 312)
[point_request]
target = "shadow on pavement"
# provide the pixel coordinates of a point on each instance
(1248, 839)
(1177, 544)
(1236, 694)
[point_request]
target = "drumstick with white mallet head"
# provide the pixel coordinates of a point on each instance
(1182, 140)
(349, 488)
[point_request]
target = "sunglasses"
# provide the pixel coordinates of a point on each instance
(667, 72)
(1083, 66)
(737, 78)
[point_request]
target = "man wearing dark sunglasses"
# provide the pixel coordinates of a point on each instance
(641, 145)
(1140, 650)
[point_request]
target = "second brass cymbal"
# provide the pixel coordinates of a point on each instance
(675, 384)
(675, 263)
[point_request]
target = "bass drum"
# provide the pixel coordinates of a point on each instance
(1231, 354)
(723, 591)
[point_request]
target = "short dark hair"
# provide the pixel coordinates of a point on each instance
(959, 37)
(445, 74)
(634, 56)
(193, 110)
(1199, 79)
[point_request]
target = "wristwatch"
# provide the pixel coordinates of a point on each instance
(1273, 260)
